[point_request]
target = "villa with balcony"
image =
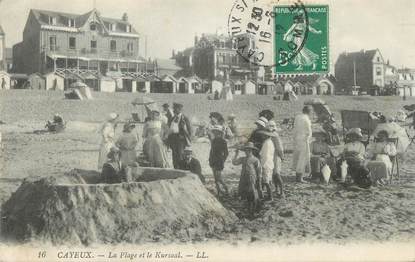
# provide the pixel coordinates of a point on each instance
(86, 47)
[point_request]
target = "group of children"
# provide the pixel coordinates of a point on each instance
(261, 164)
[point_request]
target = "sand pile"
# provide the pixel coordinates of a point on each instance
(162, 205)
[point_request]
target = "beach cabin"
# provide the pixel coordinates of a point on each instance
(170, 83)
(142, 84)
(107, 84)
(216, 86)
(288, 86)
(266, 88)
(279, 88)
(4, 80)
(36, 81)
(406, 91)
(248, 87)
(237, 87)
(54, 81)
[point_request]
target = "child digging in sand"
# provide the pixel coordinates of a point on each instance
(217, 157)
(250, 181)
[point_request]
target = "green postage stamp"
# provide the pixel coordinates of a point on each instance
(301, 43)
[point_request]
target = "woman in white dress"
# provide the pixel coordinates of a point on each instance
(302, 136)
(154, 147)
(107, 138)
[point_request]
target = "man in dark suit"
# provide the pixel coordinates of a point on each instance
(167, 112)
(192, 164)
(180, 134)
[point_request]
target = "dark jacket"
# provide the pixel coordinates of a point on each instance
(113, 173)
(193, 166)
(258, 140)
(185, 128)
(218, 153)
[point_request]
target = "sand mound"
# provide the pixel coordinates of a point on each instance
(162, 205)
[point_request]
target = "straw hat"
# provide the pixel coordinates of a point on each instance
(262, 121)
(382, 131)
(232, 116)
(113, 116)
(249, 145)
(355, 131)
(114, 150)
(177, 105)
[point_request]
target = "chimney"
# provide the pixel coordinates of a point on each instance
(196, 39)
(125, 17)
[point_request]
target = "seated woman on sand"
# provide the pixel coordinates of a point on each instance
(114, 171)
(354, 155)
(321, 155)
(381, 151)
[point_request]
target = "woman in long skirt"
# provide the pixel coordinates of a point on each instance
(107, 138)
(154, 148)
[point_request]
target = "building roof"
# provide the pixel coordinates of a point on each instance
(80, 20)
(167, 64)
(1, 31)
(360, 56)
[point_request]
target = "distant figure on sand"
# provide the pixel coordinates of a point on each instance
(301, 144)
(192, 164)
(217, 157)
(249, 183)
(107, 138)
(180, 134)
(127, 143)
(114, 171)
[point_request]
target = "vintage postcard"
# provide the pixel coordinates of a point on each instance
(222, 130)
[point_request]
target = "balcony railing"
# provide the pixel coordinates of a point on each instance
(92, 53)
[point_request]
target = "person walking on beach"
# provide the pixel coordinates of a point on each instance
(301, 144)
(180, 134)
(257, 138)
(278, 157)
(127, 143)
(250, 176)
(266, 155)
(217, 157)
(107, 138)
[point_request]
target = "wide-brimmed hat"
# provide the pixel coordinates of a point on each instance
(250, 146)
(262, 121)
(113, 150)
(113, 116)
(188, 149)
(128, 126)
(165, 105)
(232, 116)
(382, 131)
(177, 105)
(355, 131)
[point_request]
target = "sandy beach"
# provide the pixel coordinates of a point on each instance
(310, 213)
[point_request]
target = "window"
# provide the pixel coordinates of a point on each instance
(128, 28)
(93, 44)
(93, 26)
(52, 43)
(378, 59)
(71, 22)
(113, 45)
(378, 71)
(234, 60)
(72, 42)
(130, 47)
(52, 20)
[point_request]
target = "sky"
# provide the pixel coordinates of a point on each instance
(172, 24)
